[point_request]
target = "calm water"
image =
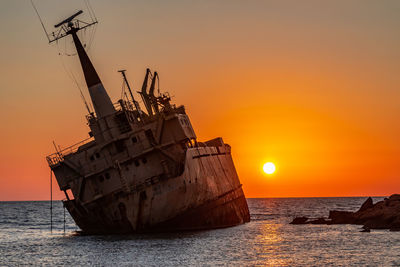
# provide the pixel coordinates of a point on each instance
(268, 239)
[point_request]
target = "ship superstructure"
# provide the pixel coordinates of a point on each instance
(144, 170)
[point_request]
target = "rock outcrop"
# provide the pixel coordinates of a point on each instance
(384, 214)
(366, 205)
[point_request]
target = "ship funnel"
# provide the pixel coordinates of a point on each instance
(100, 99)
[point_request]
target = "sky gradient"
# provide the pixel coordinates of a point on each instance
(312, 86)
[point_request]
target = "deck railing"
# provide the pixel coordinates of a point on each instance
(58, 156)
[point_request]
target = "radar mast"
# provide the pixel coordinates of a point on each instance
(100, 99)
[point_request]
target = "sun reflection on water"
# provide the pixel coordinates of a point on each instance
(268, 245)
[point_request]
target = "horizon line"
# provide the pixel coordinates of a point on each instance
(56, 200)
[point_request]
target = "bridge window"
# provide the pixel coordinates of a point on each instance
(150, 136)
(119, 145)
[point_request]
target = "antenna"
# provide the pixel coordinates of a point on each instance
(70, 25)
(68, 19)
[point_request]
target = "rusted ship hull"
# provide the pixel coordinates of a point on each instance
(207, 195)
(225, 211)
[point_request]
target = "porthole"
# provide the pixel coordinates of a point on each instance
(136, 162)
(134, 139)
(107, 176)
(144, 160)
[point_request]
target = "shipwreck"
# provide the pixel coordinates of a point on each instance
(143, 169)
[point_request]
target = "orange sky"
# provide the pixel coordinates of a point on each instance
(311, 86)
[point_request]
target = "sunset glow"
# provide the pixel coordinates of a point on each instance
(315, 86)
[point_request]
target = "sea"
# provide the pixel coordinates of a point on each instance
(267, 240)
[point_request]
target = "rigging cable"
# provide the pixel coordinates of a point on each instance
(94, 19)
(126, 98)
(64, 217)
(91, 36)
(51, 200)
(123, 89)
(72, 77)
(87, 6)
(91, 9)
(41, 22)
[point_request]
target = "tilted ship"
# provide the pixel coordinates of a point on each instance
(144, 171)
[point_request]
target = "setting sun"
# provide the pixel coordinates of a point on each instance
(269, 168)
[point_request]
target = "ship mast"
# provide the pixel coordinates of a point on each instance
(98, 94)
(130, 92)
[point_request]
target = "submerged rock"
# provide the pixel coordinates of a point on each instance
(365, 230)
(320, 221)
(305, 220)
(384, 214)
(299, 220)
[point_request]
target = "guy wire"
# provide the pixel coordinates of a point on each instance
(41, 22)
(72, 77)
